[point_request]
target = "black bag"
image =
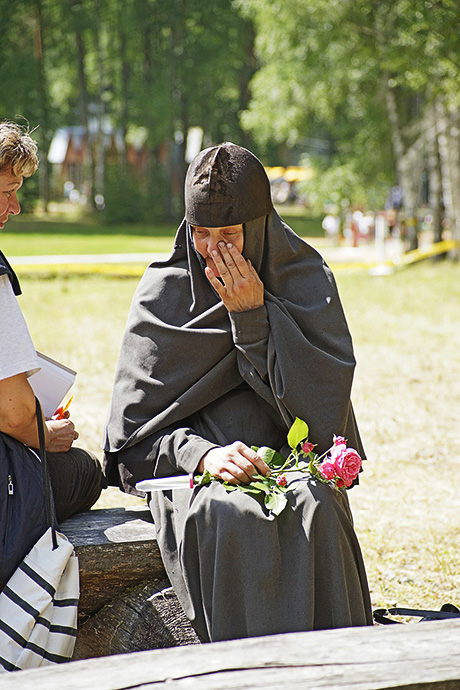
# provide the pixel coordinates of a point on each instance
(447, 611)
(23, 517)
(39, 603)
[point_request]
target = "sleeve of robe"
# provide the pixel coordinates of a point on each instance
(300, 375)
(179, 450)
(174, 450)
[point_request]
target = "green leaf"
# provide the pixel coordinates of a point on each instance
(271, 457)
(297, 433)
(260, 485)
(229, 487)
(251, 489)
(275, 502)
(206, 478)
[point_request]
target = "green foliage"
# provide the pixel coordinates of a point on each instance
(278, 74)
(29, 195)
(124, 199)
(325, 68)
(160, 64)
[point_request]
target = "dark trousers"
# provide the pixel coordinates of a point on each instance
(77, 481)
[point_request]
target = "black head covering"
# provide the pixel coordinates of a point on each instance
(217, 184)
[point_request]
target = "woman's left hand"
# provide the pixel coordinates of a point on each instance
(241, 288)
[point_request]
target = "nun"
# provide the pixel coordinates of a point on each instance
(238, 333)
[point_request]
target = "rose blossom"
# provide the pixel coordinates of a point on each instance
(341, 483)
(347, 464)
(338, 448)
(327, 469)
(307, 447)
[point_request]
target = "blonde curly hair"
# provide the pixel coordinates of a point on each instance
(18, 151)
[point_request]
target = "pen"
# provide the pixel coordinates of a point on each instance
(59, 414)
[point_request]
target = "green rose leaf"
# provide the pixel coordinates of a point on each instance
(204, 479)
(250, 489)
(275, 502)
(259, 485)
(297, 433)
(271, 457)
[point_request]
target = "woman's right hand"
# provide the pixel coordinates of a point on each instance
(236, 463)
(61, 435)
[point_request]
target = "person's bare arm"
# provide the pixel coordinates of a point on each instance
(18, 419)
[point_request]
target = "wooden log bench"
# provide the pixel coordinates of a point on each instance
(421, 656)
(126, 601)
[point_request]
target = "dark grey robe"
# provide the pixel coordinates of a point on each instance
(192, 376)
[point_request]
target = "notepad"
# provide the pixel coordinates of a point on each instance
(51, 383)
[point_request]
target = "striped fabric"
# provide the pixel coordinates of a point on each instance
(38, 607)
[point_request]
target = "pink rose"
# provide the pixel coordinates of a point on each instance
(337, 451)
(340, 445)
(281, 480)
(327, 469)
(307, 447)
(347, 465)
(341, 483)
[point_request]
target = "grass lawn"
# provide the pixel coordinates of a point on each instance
(406, 397)
(28, 237)
(56, 234)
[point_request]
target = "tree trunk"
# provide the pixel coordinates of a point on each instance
(90, 175)
(449, 151)
(45, 124)
(156, 182)
(406, 169)
(245, 76)
(98, 141)
(434, 179)
(125, 78)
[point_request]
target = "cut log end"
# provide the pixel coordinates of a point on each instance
(148, 617)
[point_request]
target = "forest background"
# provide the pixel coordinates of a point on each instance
(363, 92)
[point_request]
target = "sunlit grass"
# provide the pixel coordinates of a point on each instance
(406, 397)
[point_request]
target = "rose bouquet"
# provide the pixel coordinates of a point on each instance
(339, 466)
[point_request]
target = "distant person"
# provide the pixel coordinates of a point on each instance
(240, 331)
(355, 225)
(366, 226)
(75, 474)
(331, 226)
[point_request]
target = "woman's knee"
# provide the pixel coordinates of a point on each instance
(77, 481)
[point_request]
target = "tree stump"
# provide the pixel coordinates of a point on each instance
(147, 617)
